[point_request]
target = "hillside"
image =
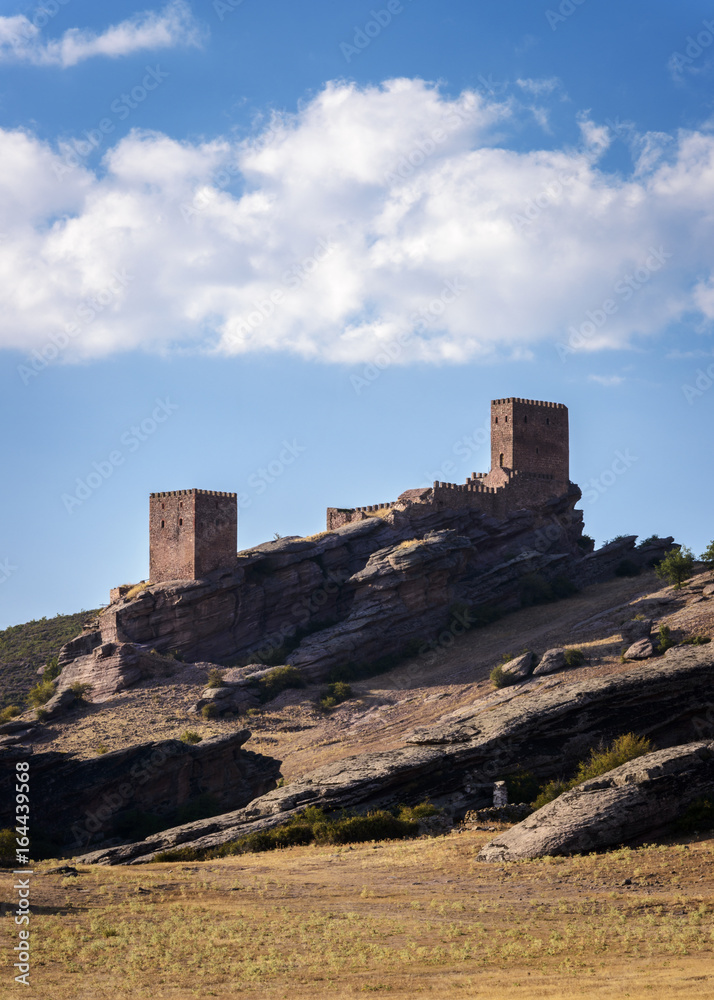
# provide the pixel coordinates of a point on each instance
(25, 648)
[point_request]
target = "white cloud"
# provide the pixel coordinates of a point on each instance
(606, 380)
(376, 218)
(174, 25)
(539, 87)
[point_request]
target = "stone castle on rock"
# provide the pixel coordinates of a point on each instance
(194, 532)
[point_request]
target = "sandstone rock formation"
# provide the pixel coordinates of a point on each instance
(641, 798)
(546, 725)
(367, 590)
(520, 666)
(85, 801)
(640, 650)
(550, 662)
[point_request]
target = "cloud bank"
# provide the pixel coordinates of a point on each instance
(376, 218)
(21, 39)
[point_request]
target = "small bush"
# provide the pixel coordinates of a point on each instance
(601, 760)
(620, 751)
(665, 639)
(574, 657)
(696, 640)
(550, 792)
(10, 712)
(676, 567)
(190, 737)
(40, 693)
(41, 714)
(80, 690)
(52, 669)
(277, 680)
(501, 678)
(336, 693)
(136, 590)
(698, 817)
(707, 556)
(627, 567)
(215, 678)
(209, 711)
(521, 786)
(617, 538)
(8, 844)
(586, 543)
(651, 540)
(101, 749)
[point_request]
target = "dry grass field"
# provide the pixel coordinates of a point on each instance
(397, 919)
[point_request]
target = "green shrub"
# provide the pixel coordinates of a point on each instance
(617, 538)
(102, 749)
(698, 817)
(336, 693)
(79, 690)
(10, 712)
(215, 678)
(586, 543)
(209, 711)
(501, 678)
(707, 556)
(40, 693)
(696, 640)
(190, 737)
(8, 844)
(665, 639)
(627, 567)
(676, 567)
(277, 680)
(313, 825)
(41, 714)
(651, 540)
(521, 786)
(603, 759)
(52, 669)
(574, 657)
(600, 760)
(550, 792)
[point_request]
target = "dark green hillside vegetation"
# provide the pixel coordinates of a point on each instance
(25, 648)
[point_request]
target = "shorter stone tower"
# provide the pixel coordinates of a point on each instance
(191, 533)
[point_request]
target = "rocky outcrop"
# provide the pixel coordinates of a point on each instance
(521, 666)
(111, 667)
(550, 662)
(640, 799)
(640, 650)
(547, 726)
(85, 801)
(367, 590)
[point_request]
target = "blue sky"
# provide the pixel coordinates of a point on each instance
(293, 250)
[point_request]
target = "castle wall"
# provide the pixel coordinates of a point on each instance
(191, 533)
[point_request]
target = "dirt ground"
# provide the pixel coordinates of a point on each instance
(398, 918)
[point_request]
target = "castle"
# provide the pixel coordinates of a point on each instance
(194, 532)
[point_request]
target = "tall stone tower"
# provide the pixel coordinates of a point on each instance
(531, 437)
(191, 533)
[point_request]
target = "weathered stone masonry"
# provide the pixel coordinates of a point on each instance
(529, 466)
(191, 534)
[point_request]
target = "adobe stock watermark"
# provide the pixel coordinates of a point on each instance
(695, 46)
(565, 10)
(6, 570)
(623, 290)
(420, 152)
(265, 476)
(121, 107)
(702, 382)
(292, 279)
(223, 7)
(87, 311)
(131, 440)
(466, 448)
(534, 207)
(598, 485)
(363, 37)
(392, 350)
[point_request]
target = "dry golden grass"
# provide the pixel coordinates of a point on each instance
(398, 918)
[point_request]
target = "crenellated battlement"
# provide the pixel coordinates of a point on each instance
(529, 466)
(183, 493)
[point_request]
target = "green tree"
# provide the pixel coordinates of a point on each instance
(676, 567)
(707, 556)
